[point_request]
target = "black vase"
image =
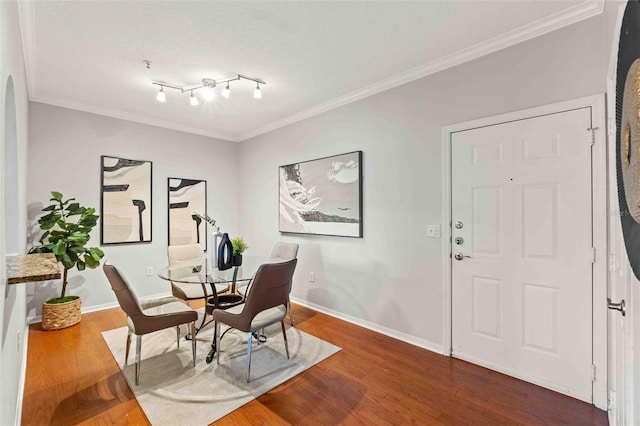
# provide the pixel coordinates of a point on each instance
(225, 253)
(237, 260)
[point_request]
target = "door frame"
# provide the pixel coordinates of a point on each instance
(599, 176)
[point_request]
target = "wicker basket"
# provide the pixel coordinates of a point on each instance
(56, 316)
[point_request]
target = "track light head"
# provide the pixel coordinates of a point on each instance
(193, 100)
(257, 93)
(161, 96)
(226, 91)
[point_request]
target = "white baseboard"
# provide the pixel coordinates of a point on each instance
(421, 343)
(101, 307)
(23, 374)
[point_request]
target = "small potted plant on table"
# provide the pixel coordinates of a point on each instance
(239, 247)
(66, 227)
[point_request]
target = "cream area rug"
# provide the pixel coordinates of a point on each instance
(173, 392)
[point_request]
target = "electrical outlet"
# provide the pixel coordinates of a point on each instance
(149, 271)
(433, 231)
(312, 277)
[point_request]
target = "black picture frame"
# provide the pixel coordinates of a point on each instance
(322, 196)
(126, 201)
(185, 198)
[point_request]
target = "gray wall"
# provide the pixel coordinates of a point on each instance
(13, 154)
(64, 155)
(392, 279)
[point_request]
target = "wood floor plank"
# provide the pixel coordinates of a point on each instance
(72, 379)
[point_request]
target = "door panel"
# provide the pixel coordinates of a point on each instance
(521, 301)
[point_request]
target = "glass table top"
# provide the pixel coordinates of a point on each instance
(204, 272)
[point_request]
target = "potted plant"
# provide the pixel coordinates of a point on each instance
(239, 247)
(66, 227)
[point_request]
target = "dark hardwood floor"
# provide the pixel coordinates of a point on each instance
(73, 379)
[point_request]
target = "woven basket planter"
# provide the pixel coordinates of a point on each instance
(56, 316)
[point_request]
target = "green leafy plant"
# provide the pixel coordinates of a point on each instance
(67, 226)
(239, 245)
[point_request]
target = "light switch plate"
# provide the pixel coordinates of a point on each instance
(433, 231)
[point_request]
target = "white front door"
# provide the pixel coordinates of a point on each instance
(521, 206)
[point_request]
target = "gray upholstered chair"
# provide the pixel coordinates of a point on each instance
(286, 251)
(266, 304)
(149, 316)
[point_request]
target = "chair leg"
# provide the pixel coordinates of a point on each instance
(192, 326)
(138, 347)
(249, 355)
(218, 341)
(286, 344)
(290, 311)
(178, 335)
(126, 349)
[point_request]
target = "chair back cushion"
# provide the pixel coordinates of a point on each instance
(270, 288)
(185, 254)
(285, 251)
(126, 298)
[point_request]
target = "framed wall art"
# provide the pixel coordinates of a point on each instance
(628, 132)
(322, 196)
(126, 201)
(187, 203)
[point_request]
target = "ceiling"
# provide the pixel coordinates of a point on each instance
(314, 56)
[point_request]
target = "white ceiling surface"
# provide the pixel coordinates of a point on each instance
(314, 56)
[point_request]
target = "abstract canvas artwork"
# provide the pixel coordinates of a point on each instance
(126, 201)
(187, 200)
(322, 196)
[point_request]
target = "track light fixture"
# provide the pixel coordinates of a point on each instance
(205, 89)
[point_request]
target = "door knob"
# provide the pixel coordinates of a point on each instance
(460, 256)
(616, 306)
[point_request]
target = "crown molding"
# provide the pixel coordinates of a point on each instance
(137, 118)
(577, 13)
(26, 15)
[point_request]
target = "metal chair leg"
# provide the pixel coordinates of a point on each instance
(192, 326)
(178, 335)
(218, 341)
(249, 355)
(138, 347)
(286, 344)
(290, 311)
(126, 349)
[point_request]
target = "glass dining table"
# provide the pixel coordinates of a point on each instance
(222, 286)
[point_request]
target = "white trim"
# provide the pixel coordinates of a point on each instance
(543, 26)
(446, 243)
(600, 233)
(101, 307)
(137, 118)
(27, 28)
(412, 340)
(23, 374)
